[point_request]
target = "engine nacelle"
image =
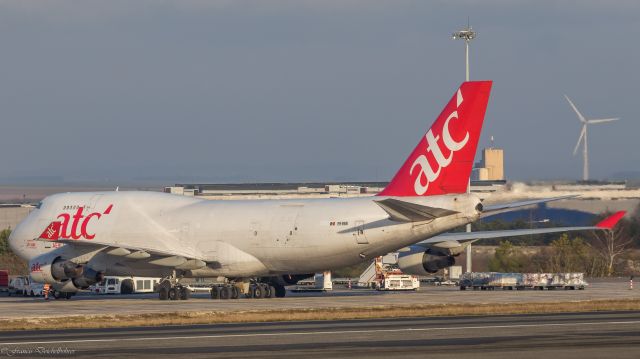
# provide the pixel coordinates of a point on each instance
(53, 269)
(419, 261)
(88, 277)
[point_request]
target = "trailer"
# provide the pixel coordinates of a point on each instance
(4, 281)
(321, 283)
(552, 281)
(520, 281)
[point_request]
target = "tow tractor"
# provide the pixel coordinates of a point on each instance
(383, 274)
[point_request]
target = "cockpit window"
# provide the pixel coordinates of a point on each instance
(39, 205)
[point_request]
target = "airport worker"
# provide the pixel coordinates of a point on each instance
(45, 291)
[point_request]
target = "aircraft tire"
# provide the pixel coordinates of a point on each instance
(163, 293)
(266, 293)
(225, 292)
(185, 293)
(173, 293)
(214, 292)
(126, 287)
(258, 292)
(265, 290)
(272, 291)
(280, 291)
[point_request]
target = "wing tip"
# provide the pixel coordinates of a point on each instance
(611, 221)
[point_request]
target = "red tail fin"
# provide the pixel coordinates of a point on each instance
(442, 161)
(52, 232)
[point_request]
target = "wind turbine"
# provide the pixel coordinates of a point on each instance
(583, 137)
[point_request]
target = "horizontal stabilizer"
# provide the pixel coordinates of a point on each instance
(403, 211)
(505, 207)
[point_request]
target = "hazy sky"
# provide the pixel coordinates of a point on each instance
(306, 90)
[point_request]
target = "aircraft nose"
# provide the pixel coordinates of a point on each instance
(13, 241)
(17, 242)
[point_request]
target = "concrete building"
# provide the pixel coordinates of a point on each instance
(276, 190)
(491, 167)
(11, 215)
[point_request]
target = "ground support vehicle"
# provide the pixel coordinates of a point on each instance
(519, 281)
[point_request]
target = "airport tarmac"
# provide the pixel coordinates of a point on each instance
(91, 304)
(586, 335)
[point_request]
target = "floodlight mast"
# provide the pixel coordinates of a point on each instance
(467, 35)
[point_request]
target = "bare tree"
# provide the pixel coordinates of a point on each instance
(612, 244)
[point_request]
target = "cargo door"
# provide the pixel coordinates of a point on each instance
(361, 237)
(255, 234)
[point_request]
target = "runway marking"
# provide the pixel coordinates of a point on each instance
(373, 331)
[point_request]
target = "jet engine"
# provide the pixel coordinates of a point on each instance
(421, 262)
(53, 269)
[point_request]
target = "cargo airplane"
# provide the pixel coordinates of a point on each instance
(72, 240)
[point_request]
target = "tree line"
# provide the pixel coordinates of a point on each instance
(597, 254)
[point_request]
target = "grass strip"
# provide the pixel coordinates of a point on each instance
(215, 317)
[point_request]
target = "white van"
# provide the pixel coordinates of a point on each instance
(125, 285)
(25, 286)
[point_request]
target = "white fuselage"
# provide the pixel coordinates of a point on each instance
(234, 238)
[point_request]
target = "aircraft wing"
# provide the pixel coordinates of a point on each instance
(464, 237)
(403, 211)
(173, 259)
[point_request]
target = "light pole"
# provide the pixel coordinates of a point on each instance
(467, 35)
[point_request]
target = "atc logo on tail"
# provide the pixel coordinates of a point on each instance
(52, 232)
(441, 162)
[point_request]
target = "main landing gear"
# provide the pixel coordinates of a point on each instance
(255, 290)
(226, 291)
(169, 288)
